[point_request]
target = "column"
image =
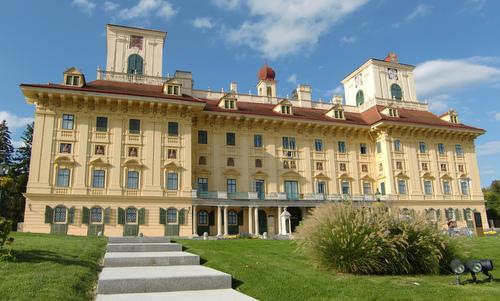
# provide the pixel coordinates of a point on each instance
(195, 222)
(279, 220)
(256, 220)
(250, 220)
(219, 221)
(226, 232)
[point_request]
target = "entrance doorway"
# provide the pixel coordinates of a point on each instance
(262, 222)
(295, 216)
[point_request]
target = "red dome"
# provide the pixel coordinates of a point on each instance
(266, 73)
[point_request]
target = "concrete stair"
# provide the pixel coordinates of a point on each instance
(152, 268)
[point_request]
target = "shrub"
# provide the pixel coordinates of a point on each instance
(353, 240)
(5, 240)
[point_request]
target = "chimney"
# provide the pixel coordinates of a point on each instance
(337, 99)
(233, 87)
(304, 92)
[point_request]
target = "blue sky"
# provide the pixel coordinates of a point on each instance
(454, 44)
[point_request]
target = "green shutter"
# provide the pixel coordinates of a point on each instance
(71, 215)
(107, 216)
(211, 218)
(121, 216)
(163, 216)
(240, 218)
(142, 216)
(85, 215)
(438, 214)
(182, 217)
(49, 214)
(458, 216)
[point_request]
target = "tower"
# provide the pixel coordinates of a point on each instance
(134, 50)
(267, 84)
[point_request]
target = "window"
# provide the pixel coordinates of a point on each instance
(453, 118)
(342, 167)
(131, 215)
(441, 149)
(60, 214)
(380, 167)
(135, 63)
(231, 185)
(364, 167)
(171, 216)
(96, 215)
(345, 187)
(285, 109)
(230, 161)
(458, 150)
(258, 163)
(132, 151)
(134, 126)
(173, 129)
(72, 80)
(342, 149)
(68, 121)
(402, 186)
(319, 165)
(396, 92)
(363, 149)
(63, 177)
(202, 137)
(446, 187)
(393, 112)
(269, 91)
(293, 165)
(202, 184)
(321, 187)
(173, 89)
(422, 147)
(338, 114)
(367, 188)
(399, 165)
(65, 148)
(425, 166)
(99, 149)
(427, 187)
(203, 218)
(172, 181)
(202, 160)
(443, 167)
(292, 190)
(318, 145)
(382, 188)
(461, 168)
(379, 147)
(133, 180)
(464, 187)
(257, 140)
(232, 218)
(98, 177)
(101, 124)
(230, 139)
(286, 164)
(360, 97)
(229, 104)
(172, 154)
(397, 145)
(288, 143)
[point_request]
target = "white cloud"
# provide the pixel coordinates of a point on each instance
(442, 76)
(86, 5)
(292, 79)
(476, 4)
(110, 6)
(203, 23)
(13, 121)
(338, 90)
(489, 148)
(147, 9)
(282, 27)
(421, 10)
(227, 4)
(17, 143)
(440, 103)
(347, 39)
(497, 116)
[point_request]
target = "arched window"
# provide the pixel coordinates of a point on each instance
(60, 214)
(171, 215)
(202, 160)
(232, 218)
(203, 218)
(360, 98)
(131, 215)
(269, 91)
(258, 163)
(230, 161)
(396, 92)
(135, 63)
(397, 145)
(96, 215)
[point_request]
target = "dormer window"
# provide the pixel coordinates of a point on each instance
(172, 87)
(337, 112)
(454, 119)
(450, 116)
(229, 104)
(393, 112)
(286, 109)
(73, 77)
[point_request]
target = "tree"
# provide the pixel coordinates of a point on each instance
(492, 197)
(6, 148)
(23, 153)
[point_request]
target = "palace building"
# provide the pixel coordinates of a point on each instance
(137, 152)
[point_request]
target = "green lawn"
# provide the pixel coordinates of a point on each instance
(50, 267)
(272, 270)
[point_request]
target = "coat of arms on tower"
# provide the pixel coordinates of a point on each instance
(136, 41)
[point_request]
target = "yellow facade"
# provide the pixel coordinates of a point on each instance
(121, 157)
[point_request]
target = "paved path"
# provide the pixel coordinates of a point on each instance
(153, 268)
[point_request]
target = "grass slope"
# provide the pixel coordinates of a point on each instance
(273, 270)
(50, 267)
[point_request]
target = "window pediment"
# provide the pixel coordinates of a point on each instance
(450, 116)
(74, 77)
(284, 107)
(64, 159)
(229, 101)
(321, 175)
(172, 87)
(391, 110)
(291, 174)
(99, 161)
(172, 165)
(336, 112)
(231, 172)
(132, 163)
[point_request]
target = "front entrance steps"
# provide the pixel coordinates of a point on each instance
(152, 268)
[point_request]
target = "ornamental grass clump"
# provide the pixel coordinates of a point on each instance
(354, 240)
(5, 240)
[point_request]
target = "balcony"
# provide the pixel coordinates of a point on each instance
(130, 78)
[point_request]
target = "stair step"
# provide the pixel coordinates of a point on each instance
(136, 239)
(148, 247)
(130, 259)
(205, 295)
(126, 280)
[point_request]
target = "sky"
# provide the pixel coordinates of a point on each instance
(454, 44)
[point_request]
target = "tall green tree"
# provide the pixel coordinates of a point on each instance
(492, 197)
(6, 148)
(23, 153)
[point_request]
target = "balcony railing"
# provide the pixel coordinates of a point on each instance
(130, 78)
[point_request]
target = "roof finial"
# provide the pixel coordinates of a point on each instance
(391, 57)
